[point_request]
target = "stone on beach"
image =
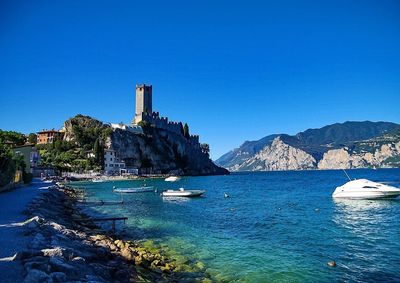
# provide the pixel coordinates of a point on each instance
(36, 276)
(61, 252)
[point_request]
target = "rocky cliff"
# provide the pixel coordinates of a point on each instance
(383, 154)
(161, 151)
(348, 145)
(278, 156)
(156, 151)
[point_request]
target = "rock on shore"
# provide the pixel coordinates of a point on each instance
(67, 247)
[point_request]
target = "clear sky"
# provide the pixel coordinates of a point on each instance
(233, 70)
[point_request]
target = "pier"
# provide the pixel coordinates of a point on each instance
(113, 219)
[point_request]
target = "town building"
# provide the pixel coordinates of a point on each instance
(133, 129)
(112, 163)
(48, 136)
(25, 151)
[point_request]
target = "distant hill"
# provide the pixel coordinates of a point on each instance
(245, 151)
(258, 155)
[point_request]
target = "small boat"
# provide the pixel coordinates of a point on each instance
(171, 179)
(365, 189)
(183, 193)
(133, 190)
(98, 180)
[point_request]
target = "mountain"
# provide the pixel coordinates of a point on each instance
(245, 151)
(318, 148)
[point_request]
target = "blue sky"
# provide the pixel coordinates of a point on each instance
(233, 70)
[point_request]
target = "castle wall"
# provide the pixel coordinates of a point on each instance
(144, 113)
(162, 122)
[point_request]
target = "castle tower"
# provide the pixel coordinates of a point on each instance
(144, 101)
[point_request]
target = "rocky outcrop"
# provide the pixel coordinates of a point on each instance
(75, 128)
(386, 155)
(160, 151)
(347, 145)
(278, 156)
(153, 151)
(66, 246)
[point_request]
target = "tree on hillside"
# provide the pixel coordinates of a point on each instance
(186, 133)
(7, 165)
(12, 137)
(181, 126)
(32, 138)
(98, 150)
(205, 148)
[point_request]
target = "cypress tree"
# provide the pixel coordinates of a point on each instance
(186, 131)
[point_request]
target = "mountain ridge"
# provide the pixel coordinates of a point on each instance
(315, 142)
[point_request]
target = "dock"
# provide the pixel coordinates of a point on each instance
(113, 219)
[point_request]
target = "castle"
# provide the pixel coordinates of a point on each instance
(144, 113)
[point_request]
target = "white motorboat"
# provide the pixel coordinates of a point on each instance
(98, 180)
(171, 179)
(365, 189)
(183, 193)
(133, 190)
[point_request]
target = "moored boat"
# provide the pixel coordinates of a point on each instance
(183, 193)
(133, 190)
(365, 189)
(172, 179)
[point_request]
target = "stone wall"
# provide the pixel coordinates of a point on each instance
(162, 122)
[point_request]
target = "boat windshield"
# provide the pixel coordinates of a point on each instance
(369, 187)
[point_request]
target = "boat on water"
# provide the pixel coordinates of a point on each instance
(98, 180)
(183, 193)
(172, 179)
(365, 189)
(133, 190)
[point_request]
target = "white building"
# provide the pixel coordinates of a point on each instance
(132, 129)
(112, 164)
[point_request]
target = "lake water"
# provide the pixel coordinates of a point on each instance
(274, 227)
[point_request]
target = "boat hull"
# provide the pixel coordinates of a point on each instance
(134, 190)
(188, 193)
(368, 195)
(172, 179)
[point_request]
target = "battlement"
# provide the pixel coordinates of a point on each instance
(144, 112)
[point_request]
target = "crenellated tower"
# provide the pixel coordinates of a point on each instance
(144, 101)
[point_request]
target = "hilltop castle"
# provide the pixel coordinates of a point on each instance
(144, 113)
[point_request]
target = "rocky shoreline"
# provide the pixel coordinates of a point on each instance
(67, 246)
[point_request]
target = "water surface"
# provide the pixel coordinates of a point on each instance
(274, 227)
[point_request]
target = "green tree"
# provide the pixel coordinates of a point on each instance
(98, 150)
(186, 133)
(12, 137)
(32, 138)
(7, 165)
(205, 148)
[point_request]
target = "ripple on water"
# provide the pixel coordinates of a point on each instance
(276, 226)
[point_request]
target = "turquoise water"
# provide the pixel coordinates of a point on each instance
(275, 227)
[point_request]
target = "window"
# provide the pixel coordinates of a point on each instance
(110, 159)
(111, 165)
(369, 187)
